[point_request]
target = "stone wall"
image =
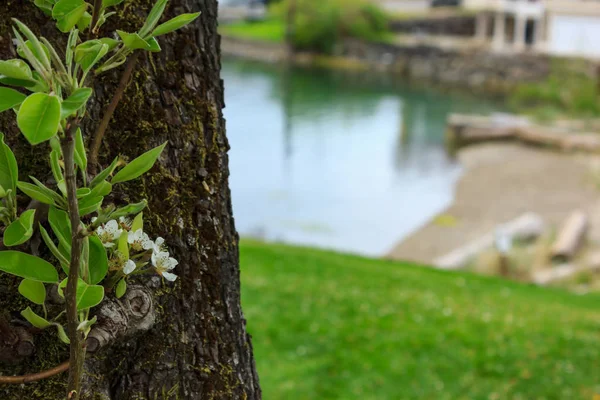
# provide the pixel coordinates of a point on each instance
(476, 70)
(252, 49)
(451, 26)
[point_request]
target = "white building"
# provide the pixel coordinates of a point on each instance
(560, 27)
(573, 27)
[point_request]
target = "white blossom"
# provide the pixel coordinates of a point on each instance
(140, 241)
(163, 264)
(109, 233)
(159, 245)
(129, 267)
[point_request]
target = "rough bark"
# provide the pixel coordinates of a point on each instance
(197, 347)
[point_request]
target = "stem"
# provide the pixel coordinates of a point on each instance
(95, 17)
(110, 110)
(17, 380)
(77, 351)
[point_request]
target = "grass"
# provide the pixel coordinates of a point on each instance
(333, 326)
(269, 30)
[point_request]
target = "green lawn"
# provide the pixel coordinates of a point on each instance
(333, 326)
(269, 30)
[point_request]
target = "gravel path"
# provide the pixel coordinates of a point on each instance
(501, 182)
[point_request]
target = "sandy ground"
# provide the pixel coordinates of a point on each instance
(501, 182)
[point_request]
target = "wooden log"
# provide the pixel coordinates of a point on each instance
(528, 226)
(570, 237)
(464, 130)
(562, 140)
(567, 271)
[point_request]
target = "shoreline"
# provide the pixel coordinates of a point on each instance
(474, 69)
(500, 182)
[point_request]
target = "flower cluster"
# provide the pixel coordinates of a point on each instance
(131, 250)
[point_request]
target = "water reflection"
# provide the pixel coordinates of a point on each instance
(347, 161)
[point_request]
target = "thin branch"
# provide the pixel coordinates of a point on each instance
(17, 380)
(77, 351)
(110, 110)
(95, 17)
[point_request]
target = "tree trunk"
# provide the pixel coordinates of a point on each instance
(195, 345)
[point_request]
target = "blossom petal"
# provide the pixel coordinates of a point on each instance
(169, 276)
(129, 267)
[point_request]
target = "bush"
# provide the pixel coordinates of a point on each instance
(321, 24)
(569, 89)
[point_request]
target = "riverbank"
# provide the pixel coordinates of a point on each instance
(500, 182)
(431, 60)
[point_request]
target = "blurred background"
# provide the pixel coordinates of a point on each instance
(416, 184)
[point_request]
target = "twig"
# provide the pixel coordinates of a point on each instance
(95, 17)
(77, 351)
(16, 380)
(110, 110)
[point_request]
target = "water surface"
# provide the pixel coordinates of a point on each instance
(349, 161)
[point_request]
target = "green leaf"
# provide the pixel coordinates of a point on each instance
(133, 41)
(45, 6)
(61, 226)
(82, 192)
(138, 222)
(20, 230)
(138, 166)
(67, 13)
(89, 53)
(62, 258)
(153, 17)
(58, 199)
(40, 51)
(110, 42)
(154, 46)
(35, 319)
(62, 334)
(27, 266)
(33, 291)
(16, 69)
(23, 53)
(80, 156)
(18, 82)
(55, 166)
(40, 84)
(129, 209)
(35, 193)
(71, 43)
(105, 173)
(9, 171)
(123, 246)
(90, 204)
(172, 25)
(85, 21)
(55, 59)
(10, 98)
(121, 288)
(39, 117)
(88, 296)
(98, 263)
(110, 3)
(75, 101)
(101, 189)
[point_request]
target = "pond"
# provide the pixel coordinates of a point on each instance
(348, 161)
